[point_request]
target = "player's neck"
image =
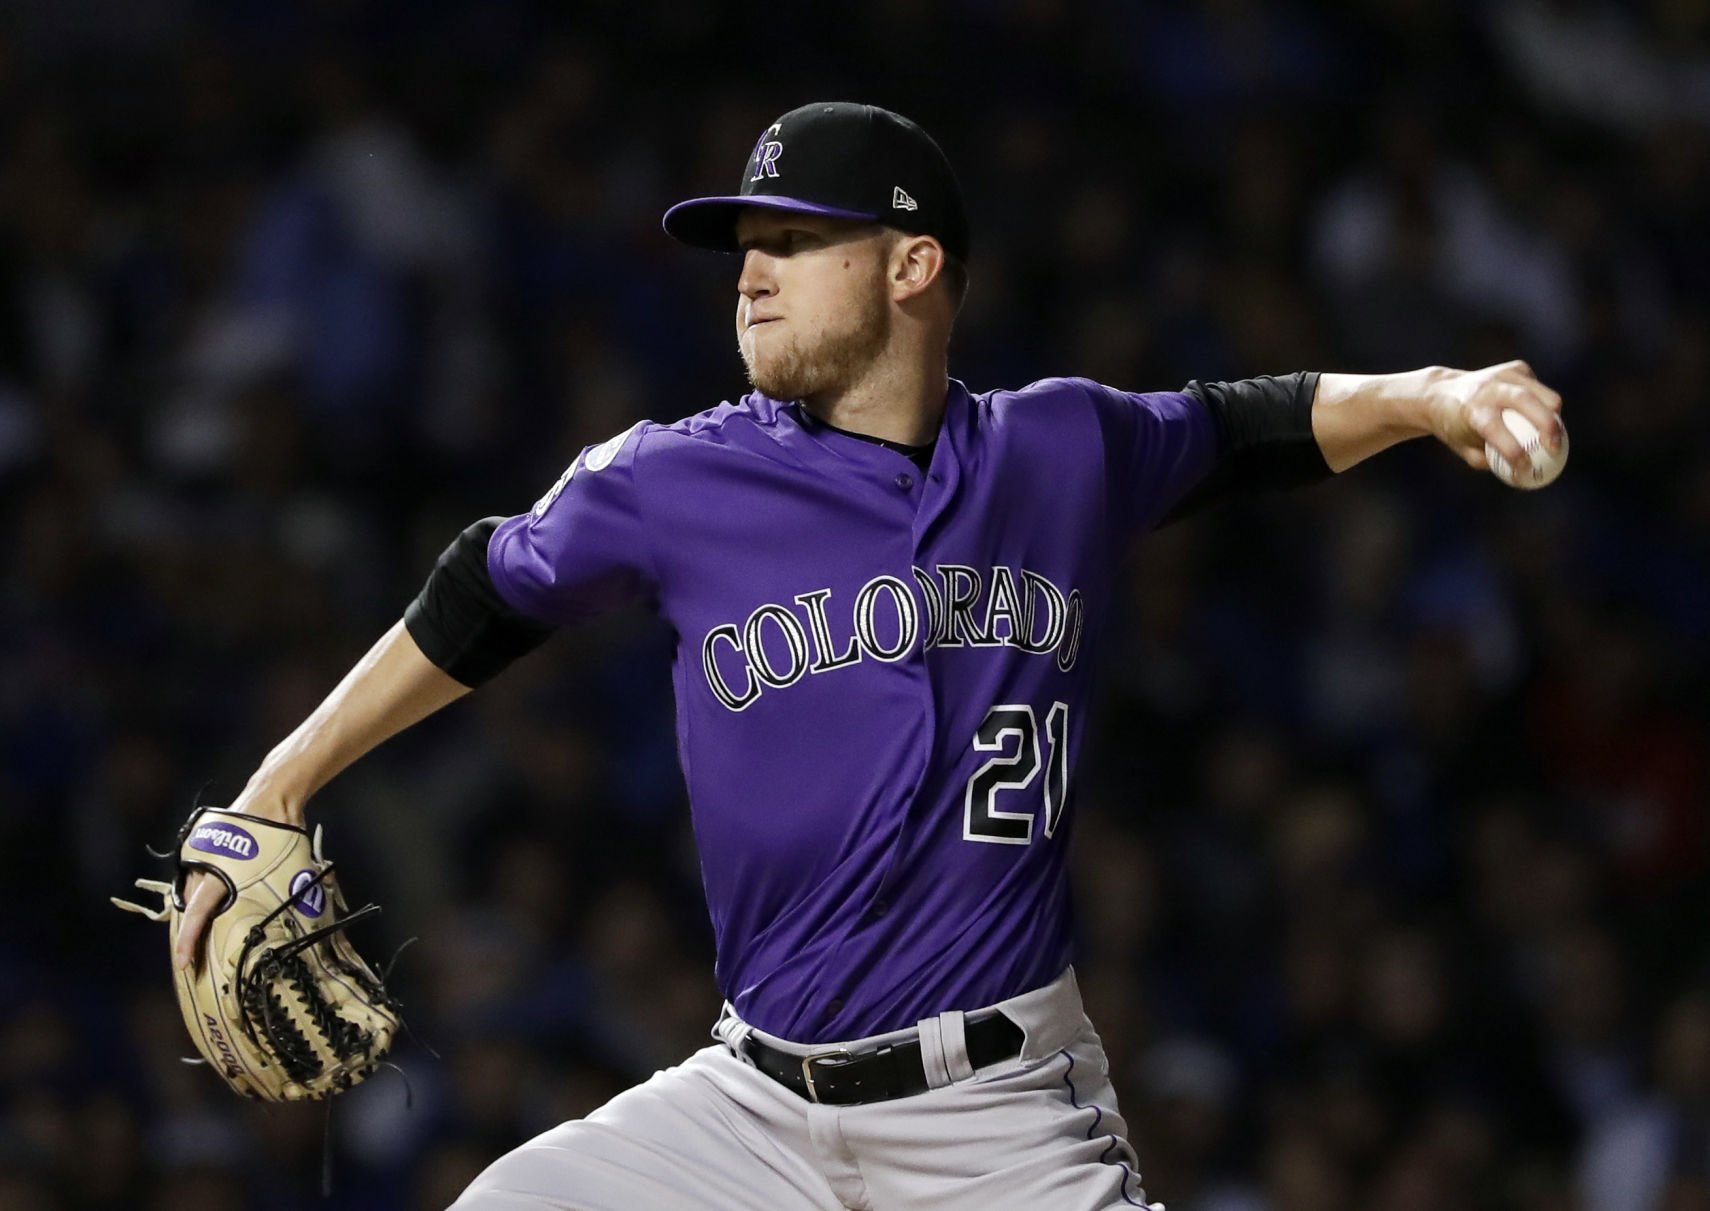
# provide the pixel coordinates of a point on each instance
(900, 399)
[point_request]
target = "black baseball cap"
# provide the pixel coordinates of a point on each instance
(844, 160)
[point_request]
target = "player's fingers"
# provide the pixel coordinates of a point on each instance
(203, 895)
(1547, 396)
(1528, 403)
(1486, 420)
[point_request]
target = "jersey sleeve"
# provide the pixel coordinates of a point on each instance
(1157, 446)
(584, 549)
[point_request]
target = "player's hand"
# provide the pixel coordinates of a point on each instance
(1464, 411)
(204, 894)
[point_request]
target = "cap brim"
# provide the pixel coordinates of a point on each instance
(711, 222)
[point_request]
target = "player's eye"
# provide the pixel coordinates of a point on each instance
(783, 243)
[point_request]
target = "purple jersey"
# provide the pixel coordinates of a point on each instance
(881, 673)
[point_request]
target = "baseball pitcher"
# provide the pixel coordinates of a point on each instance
(890, 594)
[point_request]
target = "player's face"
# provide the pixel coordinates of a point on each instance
(812, 308)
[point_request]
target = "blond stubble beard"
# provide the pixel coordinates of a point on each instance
(834, 362)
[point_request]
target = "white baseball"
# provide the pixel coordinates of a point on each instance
(1545, 463)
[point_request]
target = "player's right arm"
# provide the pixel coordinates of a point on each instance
(497, 592)
(390, 688)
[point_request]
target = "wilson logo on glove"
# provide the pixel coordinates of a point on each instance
(223, 839)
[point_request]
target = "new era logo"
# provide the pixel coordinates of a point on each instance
(901, 201)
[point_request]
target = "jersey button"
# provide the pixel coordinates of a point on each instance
(905, 481)
(835, 1005)
(881, 908)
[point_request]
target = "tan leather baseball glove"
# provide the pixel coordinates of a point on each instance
(280, 1006)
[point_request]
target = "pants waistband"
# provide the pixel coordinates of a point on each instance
(1049, 1016)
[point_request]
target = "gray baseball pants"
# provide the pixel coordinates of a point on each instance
(1039, 1132)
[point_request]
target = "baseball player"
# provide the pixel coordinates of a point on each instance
(890, 595)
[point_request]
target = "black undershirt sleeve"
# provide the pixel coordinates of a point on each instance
(1264, 438)
(459, 620)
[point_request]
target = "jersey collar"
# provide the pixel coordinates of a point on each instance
(819, 444)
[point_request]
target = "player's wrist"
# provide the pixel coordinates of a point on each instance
(1354, 416)
(1428, 392)
(271, 803)
(1403, 402)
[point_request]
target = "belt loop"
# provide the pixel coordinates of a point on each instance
(932, 1058)
(1050, 1017)
(953, 1030)
(732, 1031)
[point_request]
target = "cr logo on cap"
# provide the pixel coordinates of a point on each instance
(766, 153)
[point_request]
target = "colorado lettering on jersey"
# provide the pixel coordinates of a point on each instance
(777, 645)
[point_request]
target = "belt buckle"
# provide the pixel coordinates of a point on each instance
(839, 1053)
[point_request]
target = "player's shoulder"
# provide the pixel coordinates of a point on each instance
(1047, 422)
(1041, 404)
(1052, 396)
(651, 451)
(743, 422)
(708, 423)
(1073, 413)
(1043, 394)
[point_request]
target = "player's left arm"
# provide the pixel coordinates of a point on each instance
(1354, 416)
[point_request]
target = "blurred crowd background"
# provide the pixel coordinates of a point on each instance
(1392, 858)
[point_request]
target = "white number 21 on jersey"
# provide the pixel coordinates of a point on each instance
(1012, 732)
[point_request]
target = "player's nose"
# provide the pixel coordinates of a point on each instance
(757, 279)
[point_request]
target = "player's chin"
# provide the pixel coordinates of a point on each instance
(769, 382)
(776, 371)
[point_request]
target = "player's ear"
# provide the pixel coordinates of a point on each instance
(916, 262)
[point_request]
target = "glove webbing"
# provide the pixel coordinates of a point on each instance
(262, 1004)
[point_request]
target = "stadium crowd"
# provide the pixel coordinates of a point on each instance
(1392, 854)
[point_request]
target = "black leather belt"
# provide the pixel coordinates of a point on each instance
(840, 1078)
